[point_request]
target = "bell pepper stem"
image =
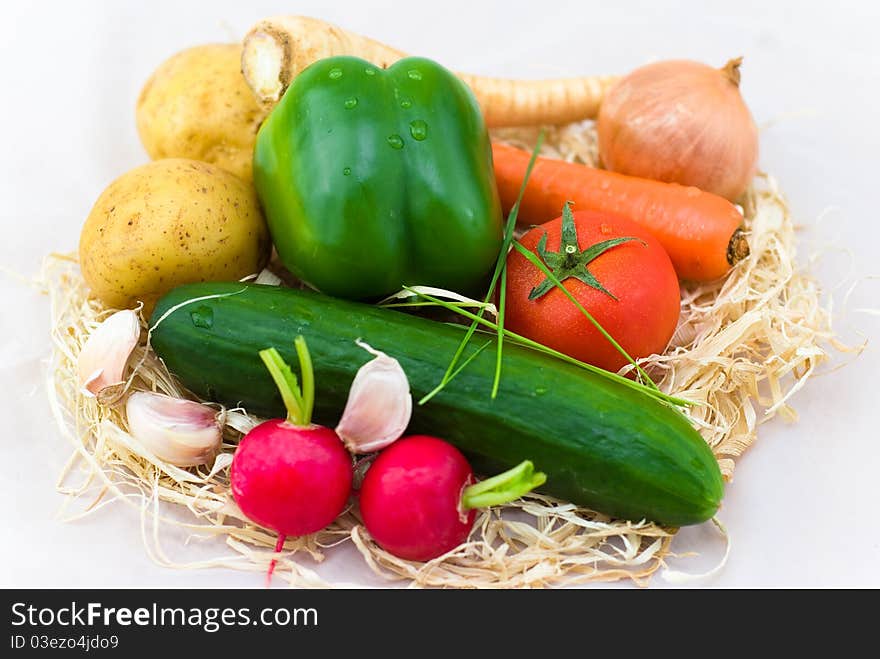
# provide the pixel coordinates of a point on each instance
(299, 402)
(503, 488)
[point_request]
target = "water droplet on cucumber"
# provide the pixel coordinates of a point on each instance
(202, 317)
(395, 141)
(406, 103)
(346, 171)
(350, 103)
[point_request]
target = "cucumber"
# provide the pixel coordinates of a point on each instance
(602, 444)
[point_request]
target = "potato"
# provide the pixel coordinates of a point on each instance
(171, 222)
(197, 105)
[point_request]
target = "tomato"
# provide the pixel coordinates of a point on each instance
(639, 305)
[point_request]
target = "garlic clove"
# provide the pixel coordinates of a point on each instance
(101, 362)
(379, 405)
(181, 432)
(268, 278)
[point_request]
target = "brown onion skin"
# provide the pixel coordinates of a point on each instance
(683, 122)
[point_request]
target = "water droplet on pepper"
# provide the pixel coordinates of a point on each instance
(350, 103)
(346, 171)
(335, 73)
(418, 129)
(414, 74)
(406, 103)
(396, 141)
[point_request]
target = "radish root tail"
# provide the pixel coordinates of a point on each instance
(279, 545)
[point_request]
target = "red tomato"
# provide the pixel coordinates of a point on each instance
(639, 274)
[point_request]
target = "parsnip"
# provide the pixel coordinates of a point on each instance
(277, 49)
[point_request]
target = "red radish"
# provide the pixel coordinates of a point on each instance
(289, 475)
(418, 502)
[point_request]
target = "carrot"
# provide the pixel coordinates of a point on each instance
(277, 49)
(699, 230)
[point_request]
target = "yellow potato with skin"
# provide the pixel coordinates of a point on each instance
(197, 105)
(167, 223)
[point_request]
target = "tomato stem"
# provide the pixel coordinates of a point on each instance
(503, 488)
(553, 281)
(571, 260)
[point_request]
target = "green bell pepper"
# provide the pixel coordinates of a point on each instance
(373, 178)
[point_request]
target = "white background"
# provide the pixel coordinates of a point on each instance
(803, 508)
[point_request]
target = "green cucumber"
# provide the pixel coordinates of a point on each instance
(602, 444)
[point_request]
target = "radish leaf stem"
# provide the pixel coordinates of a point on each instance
(503, 488)
(299, 401)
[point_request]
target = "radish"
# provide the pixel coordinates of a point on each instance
(418, 502)
(289, 475)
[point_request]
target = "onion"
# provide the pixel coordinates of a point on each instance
(681, 122)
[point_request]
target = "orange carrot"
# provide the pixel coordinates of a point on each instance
(699, 230)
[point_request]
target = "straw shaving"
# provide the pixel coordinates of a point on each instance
(743, 347)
